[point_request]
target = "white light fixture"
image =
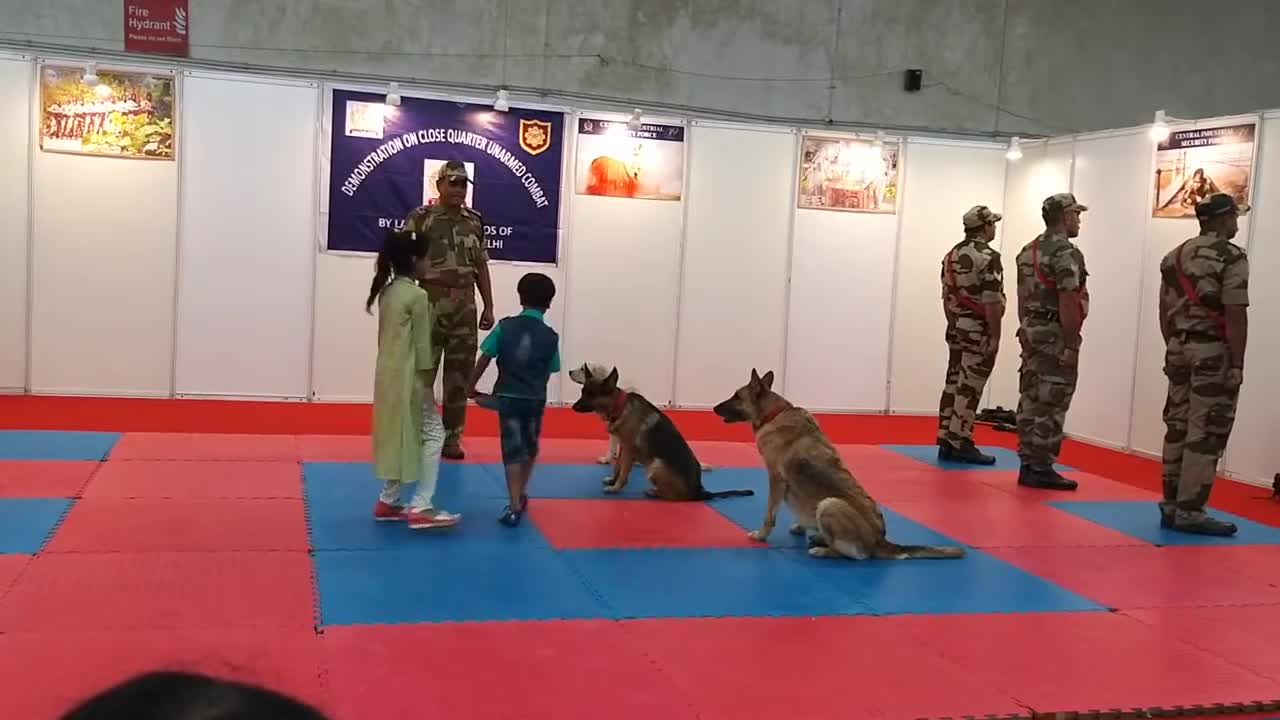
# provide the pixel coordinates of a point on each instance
(502, 103)
(1015, 149)
(1160, 127)
(91, 74)
(635, 124)
(393, 95)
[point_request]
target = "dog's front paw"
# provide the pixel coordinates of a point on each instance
(758, 535)
(612, 489)
(603, 460)
(796, 529)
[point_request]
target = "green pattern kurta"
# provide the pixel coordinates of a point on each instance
(404, 350)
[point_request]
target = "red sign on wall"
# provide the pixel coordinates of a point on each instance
(156, 26)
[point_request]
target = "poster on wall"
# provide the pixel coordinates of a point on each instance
(849, 174)
(122, 114)
(158, 27)
(617, 161)
(384, 161)
(1191, 165)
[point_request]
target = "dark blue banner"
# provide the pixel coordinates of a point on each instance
(384, 160)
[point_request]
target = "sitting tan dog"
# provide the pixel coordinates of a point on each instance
(579, 375)
(806, 471)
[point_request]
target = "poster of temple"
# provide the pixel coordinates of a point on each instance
(121, 114)
(849, 174)
(1191, 165)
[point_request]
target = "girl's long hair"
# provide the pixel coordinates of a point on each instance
(400, 251)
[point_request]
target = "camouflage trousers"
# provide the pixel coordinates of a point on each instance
(969, 365)
(1199, 413)
(1046, 385)
(454, 343)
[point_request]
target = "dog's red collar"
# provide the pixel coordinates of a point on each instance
(771, 415)
(619, 403)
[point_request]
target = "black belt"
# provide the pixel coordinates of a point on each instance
(1044, 314)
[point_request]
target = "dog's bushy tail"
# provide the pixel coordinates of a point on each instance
(707, 495)
(893, 551)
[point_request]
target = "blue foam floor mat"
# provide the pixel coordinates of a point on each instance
(1141, 520)
(55, 445)
(1006, 459)
(27, 523)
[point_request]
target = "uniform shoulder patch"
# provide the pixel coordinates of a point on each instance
(472, 214)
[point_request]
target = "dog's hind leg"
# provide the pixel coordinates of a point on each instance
(846, 531)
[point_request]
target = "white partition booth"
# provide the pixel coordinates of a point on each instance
(208, 275)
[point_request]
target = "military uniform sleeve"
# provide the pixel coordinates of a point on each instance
(1066, 269)
(420, 317)
(991, 280)
(489, 346)
(1235, 281)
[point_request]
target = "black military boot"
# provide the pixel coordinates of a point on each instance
(1202, 524)
(1044, 479)
(969, 453)
(1167, 512)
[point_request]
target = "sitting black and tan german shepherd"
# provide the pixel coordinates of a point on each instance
(806, 471)
(648, 437)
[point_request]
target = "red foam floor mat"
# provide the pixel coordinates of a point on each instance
(812, 669)
(1007, 520)
(1144, 577)
(926, 485)
(334, 448)
(1091, 487)
(121, 591)
(183, 446)
(1078, 661)
(647, 523)
(116, 525)
(44, 478)
(47, 674)
(1245, 636)
(195, 480)
(492, 671)
(11, 567)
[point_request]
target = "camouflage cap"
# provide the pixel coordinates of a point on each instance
(1220, 204)
(1061, 203)
(980, 215)
(454, 169)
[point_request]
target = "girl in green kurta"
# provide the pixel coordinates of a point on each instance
(408, 434)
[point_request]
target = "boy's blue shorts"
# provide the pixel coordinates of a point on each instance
(520, 421)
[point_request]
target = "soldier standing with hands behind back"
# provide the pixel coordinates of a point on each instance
(1053, 302)
(458, 264)
(1204, 296)
(973, 301)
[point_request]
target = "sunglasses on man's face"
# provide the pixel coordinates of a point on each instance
(456, 182)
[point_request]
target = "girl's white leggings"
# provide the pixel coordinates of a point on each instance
(432, 444)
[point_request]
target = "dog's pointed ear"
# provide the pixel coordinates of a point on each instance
(612, 379)
(586, 372)
(755, 377)
(767, 380)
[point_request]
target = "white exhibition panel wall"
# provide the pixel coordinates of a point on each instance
(1253, 453)
(623, 262)
(734, 277)
(346, 341)
(105, 243)
(15, 140)
(946, 180)
(1045, 169)
(248, 241)
(838, 320)
(1111, 175)
(1151, 386)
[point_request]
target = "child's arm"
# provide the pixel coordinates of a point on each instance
(488, 349)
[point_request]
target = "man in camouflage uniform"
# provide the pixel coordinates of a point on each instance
(1053, 302)
(973, 301)
(459, 263)
(1204, 296)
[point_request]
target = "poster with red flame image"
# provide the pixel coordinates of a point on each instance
(615, 160)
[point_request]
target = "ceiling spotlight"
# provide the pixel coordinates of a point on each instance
(91, 74)
(634, 124)
(1160, 127)
(1015, 149)
(393, 95)
(502, 103)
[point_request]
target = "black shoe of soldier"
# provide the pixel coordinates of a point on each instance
(945, 451)
(970, 454)
(453, 452)
(1167, 513)
(1204, 526)
(1044, 479)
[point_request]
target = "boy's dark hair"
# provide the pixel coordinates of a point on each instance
(180, 695)
(400, 250)
(536, 291)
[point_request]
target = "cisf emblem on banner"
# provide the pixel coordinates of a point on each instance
(535, 135)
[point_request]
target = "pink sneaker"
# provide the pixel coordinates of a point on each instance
(383, 512)
(435, 518)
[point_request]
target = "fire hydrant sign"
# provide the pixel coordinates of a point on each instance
(158, 27)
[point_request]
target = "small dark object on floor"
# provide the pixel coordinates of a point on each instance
(999, 418)
(1275, 487)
